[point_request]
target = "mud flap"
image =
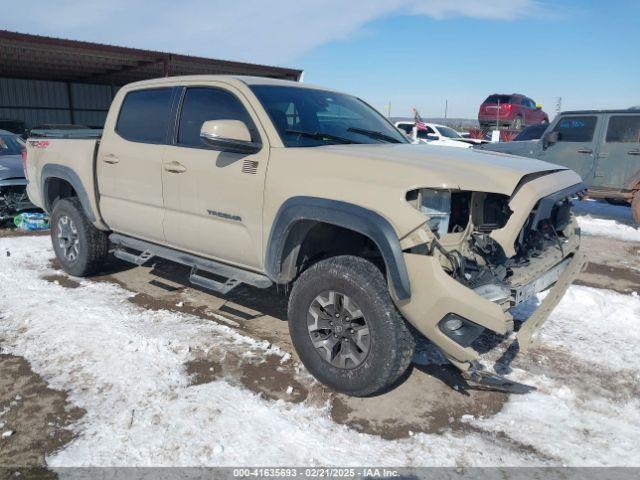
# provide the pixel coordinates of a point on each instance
(533, 324)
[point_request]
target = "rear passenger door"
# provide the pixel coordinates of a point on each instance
(577, 144)
(213, 199)
(129, 164)
(619, 153)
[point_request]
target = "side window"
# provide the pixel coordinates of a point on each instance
(201, 104)
(144, 115)
(524, 102)
(575, 129)
(406, 127)
(624, 129)
(426, 133)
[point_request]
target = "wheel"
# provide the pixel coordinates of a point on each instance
(635, 207)
(617, 201)
(346, 329)
(79, 246)
(516, 124)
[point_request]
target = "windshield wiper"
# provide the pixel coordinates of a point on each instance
(374, 134)
(320, 135)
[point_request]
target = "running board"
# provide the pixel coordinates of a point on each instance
(234, 276)
(139, 259)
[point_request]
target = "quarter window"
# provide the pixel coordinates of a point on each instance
(144, 115)
(575, 129)
(624, 129)
(202, 104)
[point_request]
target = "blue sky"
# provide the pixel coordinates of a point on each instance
(407, 52)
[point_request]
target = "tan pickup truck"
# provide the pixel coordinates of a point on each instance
(262, 182)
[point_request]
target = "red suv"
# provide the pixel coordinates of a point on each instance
(513, 111)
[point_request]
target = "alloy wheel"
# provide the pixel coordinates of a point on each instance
(68, 238)
(338, 330)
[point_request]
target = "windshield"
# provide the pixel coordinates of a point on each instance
(306, 117)
(448, 132)
(530, 133)
(9, 145)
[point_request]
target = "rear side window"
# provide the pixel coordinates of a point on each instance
(624, 129)
(144, 115)
(498, 99)
(425, 133)
(202, 104)
(575, 129)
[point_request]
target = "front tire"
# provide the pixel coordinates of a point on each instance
(346, 329)
(79, 246)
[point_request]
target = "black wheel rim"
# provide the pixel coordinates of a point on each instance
(338, 330)
(68, 238)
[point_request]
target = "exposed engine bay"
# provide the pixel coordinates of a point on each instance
(462, 224)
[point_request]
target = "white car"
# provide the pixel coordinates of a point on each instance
(437, 135)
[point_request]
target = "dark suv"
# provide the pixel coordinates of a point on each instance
(513, 111)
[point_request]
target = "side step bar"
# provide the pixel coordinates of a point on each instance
(234, 275)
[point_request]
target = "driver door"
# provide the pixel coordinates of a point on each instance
(213, 199)
(577, 145)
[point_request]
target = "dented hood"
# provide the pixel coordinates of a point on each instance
(440, 167)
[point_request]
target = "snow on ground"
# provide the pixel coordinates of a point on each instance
(597, 408)
(603, 219)
(124, 366)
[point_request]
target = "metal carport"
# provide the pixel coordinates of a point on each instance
(54, 80)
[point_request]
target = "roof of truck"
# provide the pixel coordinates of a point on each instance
(247, 80)
(620, 110)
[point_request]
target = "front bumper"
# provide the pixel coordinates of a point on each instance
(435, 295)
(533, 323)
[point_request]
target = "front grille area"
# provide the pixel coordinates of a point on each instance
(547, 224)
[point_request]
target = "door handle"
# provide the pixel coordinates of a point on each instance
(585, 150)
(111, 159)
(175, 167)
(633, 152)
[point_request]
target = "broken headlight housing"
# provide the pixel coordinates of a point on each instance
(436, 205)
(446, 210)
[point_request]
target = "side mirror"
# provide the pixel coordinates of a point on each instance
(228, 136)
(432, 137)
(549, 139)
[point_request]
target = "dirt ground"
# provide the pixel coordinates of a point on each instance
(430, 397)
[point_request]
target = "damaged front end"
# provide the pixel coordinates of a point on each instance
(480, 254)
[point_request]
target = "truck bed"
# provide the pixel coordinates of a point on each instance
(71, 159)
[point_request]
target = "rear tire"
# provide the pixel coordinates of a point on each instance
(79, 246)
(322, 301)
(516, 124)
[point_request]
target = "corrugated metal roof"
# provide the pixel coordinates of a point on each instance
(46, 58)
